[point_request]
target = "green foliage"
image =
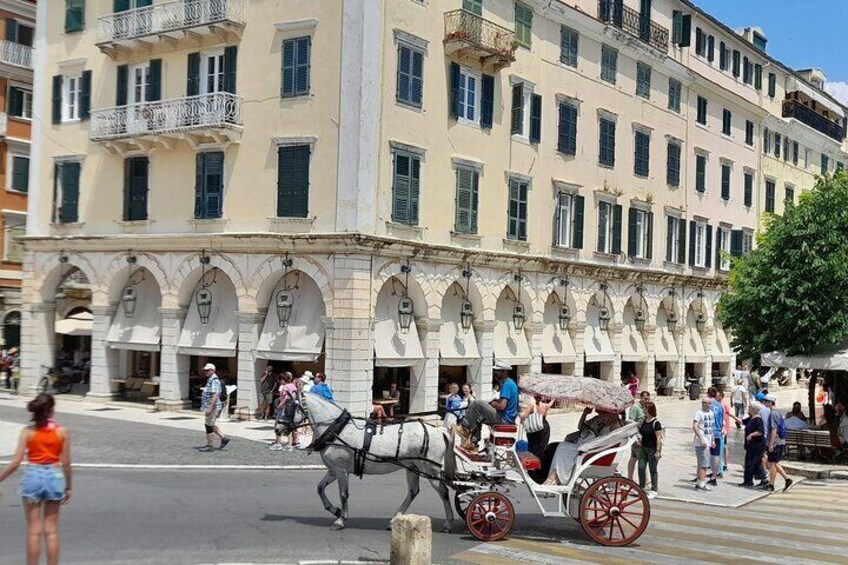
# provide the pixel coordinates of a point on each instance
(791, 293)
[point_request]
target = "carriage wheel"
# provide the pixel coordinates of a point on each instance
(577, 493)
(614, 511)
(490, 516)
(461, 500)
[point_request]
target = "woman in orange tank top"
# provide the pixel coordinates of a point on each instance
(47, 479)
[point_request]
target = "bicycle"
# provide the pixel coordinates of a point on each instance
(59, 381)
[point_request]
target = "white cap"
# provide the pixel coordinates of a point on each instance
(209, 367)
(502, 366)
(306, 377)
(770, 398)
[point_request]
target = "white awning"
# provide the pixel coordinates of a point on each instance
(219, 336)
(832, 357)
(393, 348)
(693, 346)
(633, 346)
(80, 324)
(597, 346)
(510, 344)
(143, 331)
(721, 352)
(303, 338)
(665, 348)
(557, 346)
(457, 347)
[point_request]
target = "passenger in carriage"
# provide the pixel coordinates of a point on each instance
(502, 410)
(565, 452)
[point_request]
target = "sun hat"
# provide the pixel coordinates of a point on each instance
(209, 367)
(770, 398)
(760, 396)
(306, 377)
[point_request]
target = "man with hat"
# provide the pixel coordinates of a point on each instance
(210, 403)
(306, 380)
(502, 410)
(321, 388)
(775, 445)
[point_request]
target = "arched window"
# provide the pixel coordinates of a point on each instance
(12, 330)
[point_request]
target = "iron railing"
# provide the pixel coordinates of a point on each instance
(15, 54)
(631, 21)
(219, 109)
(795, 109)
(167, 17)
(467, 27)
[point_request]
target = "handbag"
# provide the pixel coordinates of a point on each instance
(534, 423)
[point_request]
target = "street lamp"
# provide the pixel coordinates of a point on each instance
(671, 316)
(604, 313)
(284, 300)
(466, 309)
(405, 304)
(60, 296)
(203, 296)
(641, 317)
(700, 315)
(129, 296)
(518, 316)
(564, 314)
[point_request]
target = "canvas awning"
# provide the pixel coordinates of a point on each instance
(457, 347)
(832, 357)
(393, 348)
(80, 324)
(143, 331)
(557, 346)
(219, 336)
(303, 338)
(633, 346)
(597, 346)
(721, 352)
(665, 348)
(510, 344)
(693, 346)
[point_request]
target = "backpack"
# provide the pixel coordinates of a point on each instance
(781, 429)
(222, 395)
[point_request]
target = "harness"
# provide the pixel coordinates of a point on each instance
(360, 454)
(331, 433)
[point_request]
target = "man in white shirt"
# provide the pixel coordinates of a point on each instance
(703, 424)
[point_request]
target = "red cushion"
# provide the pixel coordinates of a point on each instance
(605, 461)
(505, 428)
(530, 461)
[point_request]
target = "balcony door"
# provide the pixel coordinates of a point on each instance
(212, 81)
(138, 93)
(131, 22)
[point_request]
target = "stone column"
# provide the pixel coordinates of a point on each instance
(38, 344)
(250, 324)
(173, 378)
(104, 360)
(579, 348)
(534, 338)
(651, 370)
(614, 374)
(424, 381)
(680, 369)
(480, 374)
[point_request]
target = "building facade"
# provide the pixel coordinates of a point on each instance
(402, 191)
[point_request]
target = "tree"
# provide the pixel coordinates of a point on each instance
(791, 292)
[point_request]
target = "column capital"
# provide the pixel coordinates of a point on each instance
(429, 324)
(327, 321)
(533, 328)
(172, 313)
(102, 310)
(484, 326)
(40, 307)
(250, 317)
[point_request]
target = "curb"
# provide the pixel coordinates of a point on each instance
(826, 473)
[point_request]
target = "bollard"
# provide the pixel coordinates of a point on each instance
(412, 540)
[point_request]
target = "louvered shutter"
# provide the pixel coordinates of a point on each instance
(11, 30)
(416, 81)
(710, 49)
(464, 200)
(128, 189)
(20, 173)
(720, 235)
(475, 195)
(304, 64)
(631, 232)
(517, 109)
(692, 227)
(709, 251)
(85, 96)
(16, 101)
(122, 85)
(686, 30)
(616, 229)
(670, 252)
(288, 70)
(456, 101)
(401, 189)
(154, 93)
(193, 78)
(487, 102)
(681, 242)
(649, 252)
(138, 188)
(56, 105)
(214, 184)
(199, 189)
(230, 68)
(293, 181)
(74, 15)
(535, 118)
(69, 212)
(404, 64)
(736, 243)
(579, 208)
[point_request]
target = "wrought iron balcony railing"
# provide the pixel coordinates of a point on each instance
(15, 54)
(467, 31)
(795, 109)
(164, 117)
(631, 22)
(168, 17)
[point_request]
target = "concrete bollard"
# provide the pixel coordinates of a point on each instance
(412, 540)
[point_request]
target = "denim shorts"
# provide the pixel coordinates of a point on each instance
(43, 482)
(702, 455)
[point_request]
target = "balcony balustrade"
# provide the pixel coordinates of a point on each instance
(467, 34)
(795, 109)
(216, 117)
(630, 21)
(171, 20)
(15, 54)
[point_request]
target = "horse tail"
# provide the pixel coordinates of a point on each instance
(449, 465)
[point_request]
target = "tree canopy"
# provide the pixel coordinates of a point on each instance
(791, 293)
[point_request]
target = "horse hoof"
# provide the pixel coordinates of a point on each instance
(389, 527)
(446, 530)
(336, 527)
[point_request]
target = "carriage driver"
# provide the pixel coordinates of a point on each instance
(502, 410)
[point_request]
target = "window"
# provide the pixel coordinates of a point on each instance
(473, 6)
(405, 188)
(609, 228)
(840, 166)
(700, 44)
(795, 153)
(747, 71)
(517, 220)
(71, 91)
(135, 189)
(472, 96)
(19, 32)
(469, 96)
(726, 121)
(410, 75)
(770, 196)
(66, 187)
(212, 72)
(681, 28)
(570, 220)
(772, 85)
(674, 93)
(642, 154)
(747, 241)
(526, 113)
(640, 234)
(723, 248)
(209, 185)
(672, 174)
(74, 15)
(13, 250)
(606, 154)
(643, 80)
(766, 141)
(20, 102)
(700, 244)
(749, 133)
(702, 110)
(523, 24)
(609, 64)
(567, 140)
(806, 158)
(777, 143)
(675, 243)
(569, 43)
(749, 189)
(710, 48)
(825, 164)
(785, 148)
(758, 76)
(701, 173)
(725, 181)
(736, 57)
(297, 54)
(722, 56)
(467, 182)
(293, 163)
(789, 194)
(19, 179)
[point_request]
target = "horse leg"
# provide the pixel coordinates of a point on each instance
(444, 493)
(412, 481)
(328, 479)
(339, 524)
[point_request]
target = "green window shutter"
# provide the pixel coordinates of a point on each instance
(11, 30)
(289, 68)
(56, 105)
(736, 243)
(193, 79)
(579, 218)
(473, 6)
(749, 190)
(681, 245)
(725, 182)
(535, 118)
(135, 188)
(616, 230)
(709, 251)
(758, 77)
(20, 173)
(487, 102)
(700, 173)
(414, 191)
(523, 24)
(736, 62)
(85, 96)
(199, 176)
(772, 85)
(631, 232)
(416, 87)
(127, 189)
(456, 99)
(466, 200)
(670, 252)
(685, 30)
(230, 68)
(16, 101)
(567, 139)
(401, 188)
(74, 15)
(121, 5)
(69, 212)
(297, 66)
(154, 93)
(122, 88)
(693, 226)
(214, 184)
(293, 181)
(720, 235)
(649, 252)
(517, 109)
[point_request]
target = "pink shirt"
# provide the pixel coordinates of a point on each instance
(726, 404)
(290, 388)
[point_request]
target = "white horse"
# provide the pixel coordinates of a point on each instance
(414, 446)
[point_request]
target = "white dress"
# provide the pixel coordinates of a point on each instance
(565, 457)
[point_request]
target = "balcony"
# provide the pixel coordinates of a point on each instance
(469, 35)
(4, 123)
(207, 118)
(168, 23)
(628, 20)
(797, 110)
(15, 54)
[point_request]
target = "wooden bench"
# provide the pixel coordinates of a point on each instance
(818, 442)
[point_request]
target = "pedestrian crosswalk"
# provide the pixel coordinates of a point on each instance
(806, 525)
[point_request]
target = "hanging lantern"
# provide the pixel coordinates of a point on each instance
(640, 320)
(203, 301)
(518, 317)
(564, 317)
(466, 315)
(700, 321)
(604, 318)
(285, 302)
(405, 314)
(128, 301)
(671, 321)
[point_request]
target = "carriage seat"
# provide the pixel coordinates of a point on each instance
(505, 428)
(612, 440)
(529, 461)
(504, 435)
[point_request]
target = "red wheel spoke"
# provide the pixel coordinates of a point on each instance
(635, 527)
(620, 529)
(630, 502)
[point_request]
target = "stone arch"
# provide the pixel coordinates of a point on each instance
(506, 288)
(596, 301)
(424, 301)
(264, 279)
(443, 282)
(117, 270)
(189, 272)
(51, 273)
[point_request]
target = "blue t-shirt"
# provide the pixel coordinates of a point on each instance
(718, 415)
(322, 389)
(509, 391)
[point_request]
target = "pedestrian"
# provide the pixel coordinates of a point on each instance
(776, 444)
(755, 444)
(703, 424)
(753, 381)
(321, 388)
(740, 401)
(287, 406)
(534, 415)
(467, 394)
(633, 384)
(636, 414)
(718, 431)
(650, 448)
(306, 380)
(46, 484)
(725, 432)
(453, 406)
(211, 404)
(266, 390)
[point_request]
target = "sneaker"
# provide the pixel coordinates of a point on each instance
(767, 487)
(702, 488)
(276, 447)
(746, 485)
(721, 475)
(224, 442)
(206, 449)
(713, 482)
(652, 494)
(787, 484)
(762, 484)
(288, 448)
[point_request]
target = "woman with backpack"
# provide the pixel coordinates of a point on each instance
(650, 448)
(287, 406)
